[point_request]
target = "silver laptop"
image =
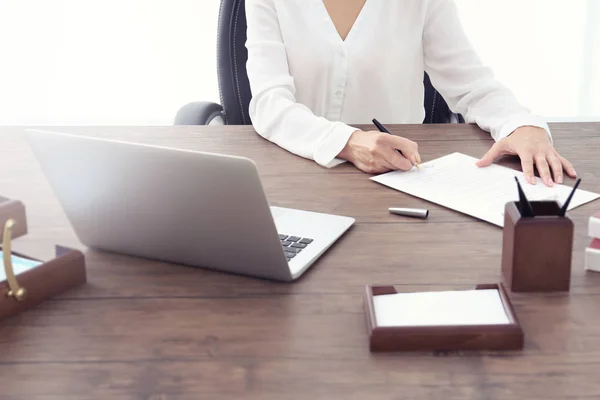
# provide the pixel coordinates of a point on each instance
(183, 207)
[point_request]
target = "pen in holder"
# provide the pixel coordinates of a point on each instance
(537, 245)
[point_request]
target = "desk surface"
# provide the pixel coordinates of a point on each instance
(148, 330)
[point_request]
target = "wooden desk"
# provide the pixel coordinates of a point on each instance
(147, 330)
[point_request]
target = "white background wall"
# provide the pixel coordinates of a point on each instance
(546, 51)
(137, 61)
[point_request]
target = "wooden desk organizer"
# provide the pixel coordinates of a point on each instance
(536, 251)
(20, 292)
(442, 338)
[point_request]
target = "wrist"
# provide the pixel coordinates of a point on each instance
(347, 151)
(531, 131)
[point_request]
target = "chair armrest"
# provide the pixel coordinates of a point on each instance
(198, 113)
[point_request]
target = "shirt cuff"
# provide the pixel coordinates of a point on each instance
(520, 121)
(326, 153)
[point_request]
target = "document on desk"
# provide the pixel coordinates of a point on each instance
(454, 181)
(19, 264)
(466, 307)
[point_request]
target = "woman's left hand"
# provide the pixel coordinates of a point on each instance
(532, 145)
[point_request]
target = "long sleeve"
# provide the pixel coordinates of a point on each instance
(274, 111)
(465, 83)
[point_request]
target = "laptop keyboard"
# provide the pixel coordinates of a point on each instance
(293, 245)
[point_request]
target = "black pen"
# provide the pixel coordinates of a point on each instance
(524, 204)
(563, 210)
(385, 130)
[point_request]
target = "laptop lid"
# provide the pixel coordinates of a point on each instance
(179, 206)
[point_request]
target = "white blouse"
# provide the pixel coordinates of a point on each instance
(309, 86)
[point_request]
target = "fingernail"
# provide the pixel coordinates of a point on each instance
(574, 173)
(549, 182)
(413, 159)
(532, 180)
(559, 179)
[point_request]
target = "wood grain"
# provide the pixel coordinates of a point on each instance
(147, 330)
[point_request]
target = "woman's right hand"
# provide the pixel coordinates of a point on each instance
(375, 152)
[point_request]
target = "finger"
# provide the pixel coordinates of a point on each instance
(379, 170)
(556, 167)
(568, 166)
(380, 164)
(382, 155)
(494, 152)
(527, 165)
(397, 160)
(415, 158)
(385, 163)
(380, 161)
(543, 169)
(409, 149)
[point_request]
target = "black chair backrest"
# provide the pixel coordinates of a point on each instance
(232, 55)
(234, 86)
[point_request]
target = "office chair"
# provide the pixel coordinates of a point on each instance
(234, 87)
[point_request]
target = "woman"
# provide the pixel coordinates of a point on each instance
(317, 66)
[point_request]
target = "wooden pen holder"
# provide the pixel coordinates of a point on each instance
(536, 251)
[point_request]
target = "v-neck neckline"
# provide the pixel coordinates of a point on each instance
(354, 26)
